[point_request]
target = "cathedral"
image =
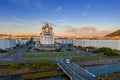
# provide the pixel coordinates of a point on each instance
(47, 35)
(46, 39)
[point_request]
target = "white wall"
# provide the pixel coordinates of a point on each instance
(3, 44)
(12, 43)
(114, 44)
(64, 41)
(47, 39)
(22, 41)
(7, 43)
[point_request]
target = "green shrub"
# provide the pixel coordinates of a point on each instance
(108, 51)
(3, 51)
(69, 49)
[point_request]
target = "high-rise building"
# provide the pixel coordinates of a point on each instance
(7, 43)
(98, 43)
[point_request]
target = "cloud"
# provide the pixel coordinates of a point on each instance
(63, 20)
(12, 24)
(84, 13)
(83, 31)
(59, 9)
(18, 19)
(43, 22)
(16, 28)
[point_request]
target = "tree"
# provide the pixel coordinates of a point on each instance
(108, 51)
(68, 49)
(17, 45)
(3, 51)
(79, 47)
(58, 49)
(14, 47)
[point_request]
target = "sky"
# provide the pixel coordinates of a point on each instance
(67, 17)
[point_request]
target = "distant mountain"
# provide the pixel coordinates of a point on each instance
(116, 33)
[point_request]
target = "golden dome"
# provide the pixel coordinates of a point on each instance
(46, 26)
(43, 27)
(51, 28)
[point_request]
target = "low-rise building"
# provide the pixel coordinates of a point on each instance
(113, 44)
(22, 41)
(64, 41)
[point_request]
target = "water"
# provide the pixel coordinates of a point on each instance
(96, 70)
(12, 78)
(102, 69)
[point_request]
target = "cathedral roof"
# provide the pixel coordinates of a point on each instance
(51, 28)
(43, 27)
(46, 26)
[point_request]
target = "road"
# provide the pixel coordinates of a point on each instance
(75, 72)
(64, 48)
(21, 51)
(83, 52)
(16, 55)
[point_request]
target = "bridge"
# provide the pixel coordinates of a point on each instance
(74, 71)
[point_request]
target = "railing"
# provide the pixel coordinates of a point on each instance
(65, 71)
(70, 70)
(84, 70)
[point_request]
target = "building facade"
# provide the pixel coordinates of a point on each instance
(22, 41)
(64, 41)
(47, 35)
(98, 43)
(10, 42)
(7, 43)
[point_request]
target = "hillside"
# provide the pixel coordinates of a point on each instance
(116, 33)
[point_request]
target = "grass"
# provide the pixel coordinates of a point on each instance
(97, 57)
(24, 68)
(110, 76)
(52, 55)
(42, 75)
(15, 65)
(30, 69)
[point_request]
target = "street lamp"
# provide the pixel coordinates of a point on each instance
(74, 72)
(106, 73)
(70, 55)
(57, 57)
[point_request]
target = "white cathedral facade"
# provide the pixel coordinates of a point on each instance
(47, 35)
